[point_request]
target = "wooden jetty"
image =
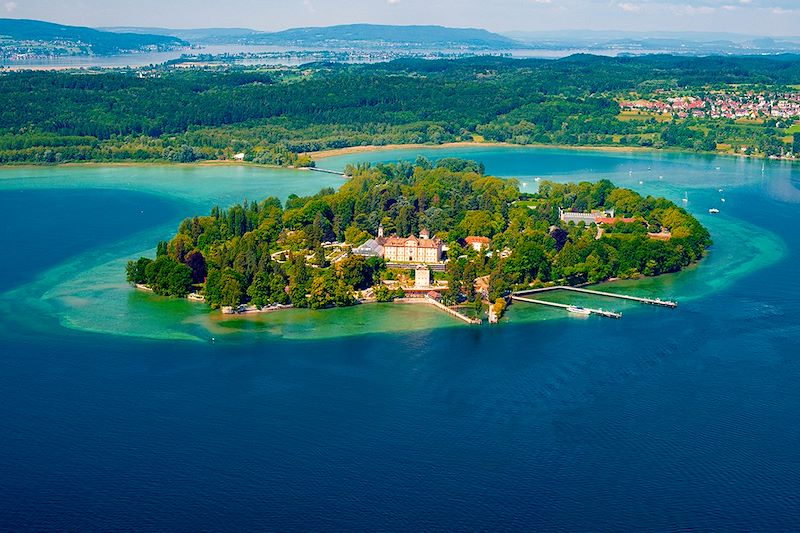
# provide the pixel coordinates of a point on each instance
(599, 312)
(449, 310)
(648, 301)
(326, 171)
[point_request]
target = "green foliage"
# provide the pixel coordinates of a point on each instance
(164, 275)
(136, 271)
(185, 116)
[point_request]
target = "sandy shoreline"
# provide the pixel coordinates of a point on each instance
(335, 152)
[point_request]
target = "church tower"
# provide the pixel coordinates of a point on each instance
(380, 231)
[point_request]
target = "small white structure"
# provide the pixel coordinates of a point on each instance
(238, 157)
(422, 277)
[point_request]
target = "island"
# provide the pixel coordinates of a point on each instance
(443, 232)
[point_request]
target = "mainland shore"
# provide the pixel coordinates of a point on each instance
(336, 152)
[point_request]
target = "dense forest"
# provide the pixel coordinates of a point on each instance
(272, 115)
(269, 253)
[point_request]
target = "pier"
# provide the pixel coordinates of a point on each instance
(648, 301)
(327, 171)
(452, 312)
(599, 312)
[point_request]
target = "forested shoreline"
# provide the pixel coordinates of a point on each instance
(274, 115)
(268, 252)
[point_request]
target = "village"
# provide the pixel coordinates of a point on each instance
(722, 104)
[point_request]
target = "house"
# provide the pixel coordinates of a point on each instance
(411, 249)
(477, 243)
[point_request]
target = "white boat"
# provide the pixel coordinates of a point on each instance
(713, 210)
(578, 310)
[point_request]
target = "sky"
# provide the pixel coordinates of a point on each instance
(753, 17)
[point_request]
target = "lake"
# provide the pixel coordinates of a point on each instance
(118, 413)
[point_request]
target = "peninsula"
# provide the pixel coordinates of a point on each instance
(187, 111)
(442, 231)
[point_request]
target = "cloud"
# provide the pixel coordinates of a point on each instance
(10, 7)
(693, 10)
(629, 7)
(392, 2)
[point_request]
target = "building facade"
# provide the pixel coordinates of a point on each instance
(422, 249)
(586, 218)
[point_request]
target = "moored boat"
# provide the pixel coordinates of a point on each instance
(578, 310)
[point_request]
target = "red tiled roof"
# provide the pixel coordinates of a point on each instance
(400, 242)
(606, 220)
(471, 239)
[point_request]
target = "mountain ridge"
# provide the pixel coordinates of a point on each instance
(89, 40)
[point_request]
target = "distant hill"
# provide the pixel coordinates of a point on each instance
(696, 43)
(344, 35)
(192, 35)
(408, 35)
(87, 40)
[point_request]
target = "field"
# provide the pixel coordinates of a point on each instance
(627, 116)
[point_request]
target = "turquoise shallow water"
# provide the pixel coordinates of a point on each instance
(116, 413)
(86, 291)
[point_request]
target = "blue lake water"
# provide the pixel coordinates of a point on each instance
(116, 413)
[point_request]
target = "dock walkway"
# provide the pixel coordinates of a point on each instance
(648, 301)
(326, 171)
(430, 301)
(599, 312)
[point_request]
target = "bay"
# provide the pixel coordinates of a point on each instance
(117, 413)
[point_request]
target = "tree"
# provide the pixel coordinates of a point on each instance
(354, 271)
(161, 248)
(382, 293)
(796, 144)
(197, 263)
(179, 280)
(167, 277)
(213, 288)
(259, 290)
(321, 292)
(230, 288)
(136, 271)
